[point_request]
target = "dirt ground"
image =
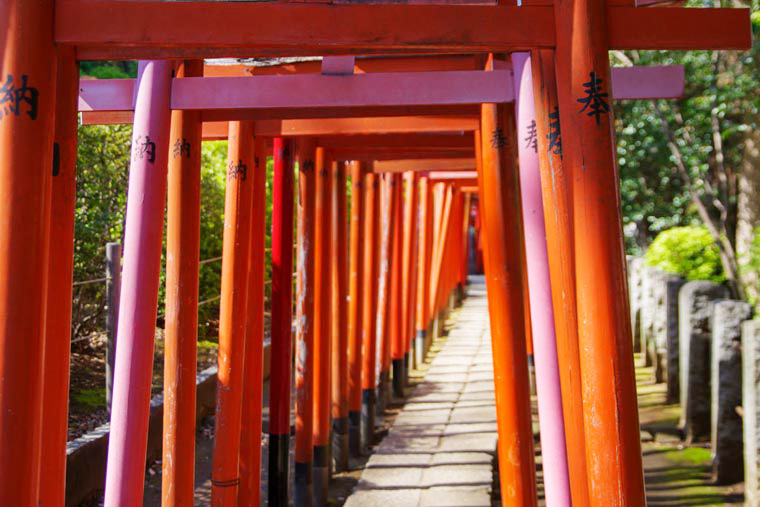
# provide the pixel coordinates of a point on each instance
(87, 396)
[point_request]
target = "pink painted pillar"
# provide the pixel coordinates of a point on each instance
(551, 421)
(139, 286)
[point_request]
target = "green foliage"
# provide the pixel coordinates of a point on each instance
(108, 69)
(93, 398)
(687, 251)
(720, 85)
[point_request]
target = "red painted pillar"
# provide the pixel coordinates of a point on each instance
(382, 327)
(409, 264)
(369, 308)
(339, 312)
(422, 316)
(502, 222)
(282, 316)
(183, 231)
(355, 311)
(250, 434)
(613, 447)
(322, 331)
(397, 290)
(225, 477)
(26, 140)
(305, 325)
(138, 300)
(561, 256)
(55, 404)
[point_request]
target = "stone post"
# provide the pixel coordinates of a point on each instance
(695, 302)
(635, 265)
(726, 435)
(665, 322)
(649, 277)
(672, 375)
(751, 411)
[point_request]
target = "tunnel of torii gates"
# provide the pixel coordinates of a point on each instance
(453, 97)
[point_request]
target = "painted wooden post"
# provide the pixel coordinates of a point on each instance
(339, 313)
(26, 141)
(369, 306)
(561, 258)
(249, 494)
(383, 276)
(500, 198)
(183, 231)
(139, 290)
(409, 265)
(55, 397)
(282, 313)
(355, 311)
(113, 289)
(233, 308)
(305, 326)
(322, 335)
(613, 446)
(397, 290)
(423, 270)
(556, 481)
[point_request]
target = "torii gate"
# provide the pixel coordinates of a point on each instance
(628, 83)
(470, 28)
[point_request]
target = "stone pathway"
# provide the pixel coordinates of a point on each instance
(440, 450)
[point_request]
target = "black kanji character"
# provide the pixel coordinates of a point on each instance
(144, 148)
(235, 171)
(554, 136)
(11, 98)
(181, 148)
(532, 141)
(595, 98)
(498, 139)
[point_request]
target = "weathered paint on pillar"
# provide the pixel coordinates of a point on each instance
(613, 447)
(499, 194)
(422, 317)
(355, 312)
(382, 324)
(556, 480)
(26, 139)
(138, 301)
(233, 308)
(305, 325)
(339, 312)
(250, 432)
(55, 397)
(281, 327)
(369, 307)
(561, 258)
(322, 335)
(409, 264)
(396, 333)
(183, 231)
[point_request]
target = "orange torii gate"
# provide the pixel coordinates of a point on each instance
(581, 31)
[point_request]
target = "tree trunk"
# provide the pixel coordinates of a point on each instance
(748, 218)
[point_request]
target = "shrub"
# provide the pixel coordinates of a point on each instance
(688, 251)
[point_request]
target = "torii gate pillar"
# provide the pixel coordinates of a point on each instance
(26, 132)
(613, 449)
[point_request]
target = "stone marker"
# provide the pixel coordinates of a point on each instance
(726, 435)
(751, 411)
(673, 376)
(665, 326)
(649, 277)
(695, 302)
(635, 264)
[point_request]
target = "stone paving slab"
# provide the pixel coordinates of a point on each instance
(440, 451)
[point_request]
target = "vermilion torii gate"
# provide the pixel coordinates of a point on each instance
(586, 227)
